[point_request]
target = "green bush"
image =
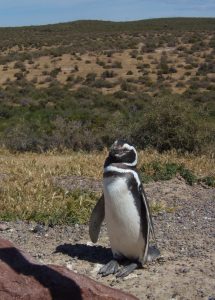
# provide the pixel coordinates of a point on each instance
(86, 119)
(90, 77)
(20, 65)
(165, 171)
(55, 72)
(108, 74)
(170, 124)
(209, 180)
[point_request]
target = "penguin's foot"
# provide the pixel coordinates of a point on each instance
(126, 270)
(110, 268)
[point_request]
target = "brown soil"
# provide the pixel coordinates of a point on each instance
(185, 231)
(80, 65)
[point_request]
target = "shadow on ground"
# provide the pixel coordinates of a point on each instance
(40, 277)
(94, 254)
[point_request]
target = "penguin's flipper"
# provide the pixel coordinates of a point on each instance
(96, 219)
(149, 227)
(148, 212)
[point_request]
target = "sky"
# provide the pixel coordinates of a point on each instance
(38, 12)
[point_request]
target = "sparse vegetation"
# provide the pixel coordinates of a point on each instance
(80, 85)
(155, 170)
(28, 192)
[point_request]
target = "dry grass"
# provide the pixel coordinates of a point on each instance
(201, 166)
(27, 192)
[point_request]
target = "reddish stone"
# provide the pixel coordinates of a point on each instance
(21, 278)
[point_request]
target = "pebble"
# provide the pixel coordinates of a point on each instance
(90, 244)
(39, 229)
(69, 266)
(4, 227)
(184, 270)
(130, 276)
(174, 296)
(96, 268)
(161, 259)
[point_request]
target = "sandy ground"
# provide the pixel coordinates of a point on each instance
(185, 231)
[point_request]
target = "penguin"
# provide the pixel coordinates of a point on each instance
(124, 206)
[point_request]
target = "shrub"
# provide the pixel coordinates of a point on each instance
(20, 65)
(156, 170)
(100, 63)
(70, 78)
(108, 74)
(134, 53)
(75, 135)
(116, 64)
(149, 46)
(209, 180)
(19, 75)
(139, 58)
(90, 77)
(55, 72)
(128, 87)
(180, 84)
(102, 83)
(170, 123)
(21, 138)
(206, 68)
(34, 79)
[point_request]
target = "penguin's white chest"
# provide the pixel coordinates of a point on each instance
(122, 214)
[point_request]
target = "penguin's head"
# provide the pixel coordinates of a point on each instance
(123, 152)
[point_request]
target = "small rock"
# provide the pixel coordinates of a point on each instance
(130, 276)
(90, 244)
(39, 229)
(184, 270)
(113, 283)
(161, 259)
(174, 296)
(4, 227)
(96, 268)
(69, 266)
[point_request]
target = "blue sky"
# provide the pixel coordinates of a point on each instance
(35, 12)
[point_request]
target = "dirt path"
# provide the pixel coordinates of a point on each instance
(186, 237)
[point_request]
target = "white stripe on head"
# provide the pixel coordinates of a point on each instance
(129, 147)
(116, 169)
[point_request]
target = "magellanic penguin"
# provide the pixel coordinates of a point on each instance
(126, 211)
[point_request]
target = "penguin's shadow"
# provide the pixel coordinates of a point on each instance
(94, 254)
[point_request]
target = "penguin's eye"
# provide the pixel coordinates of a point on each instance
(125, 150)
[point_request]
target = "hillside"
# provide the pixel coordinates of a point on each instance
(63, 33)
(81, 84)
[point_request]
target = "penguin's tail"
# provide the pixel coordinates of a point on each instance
(153, 253)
